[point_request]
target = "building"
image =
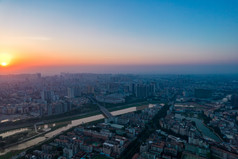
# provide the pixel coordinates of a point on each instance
(107, 148)
(222, 154)
(47, 95)
(144, 90)
(49, 109)
(73, 92)
(202, 93)
(90, 90)
(234, 100)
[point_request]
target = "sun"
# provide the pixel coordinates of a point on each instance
(4, 64)
(5, 59)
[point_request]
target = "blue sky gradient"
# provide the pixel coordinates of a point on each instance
(134, 32)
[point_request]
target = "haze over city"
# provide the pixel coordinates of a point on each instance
(166, 37)
(118, 79)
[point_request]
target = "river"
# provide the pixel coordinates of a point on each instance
(202, 127)
(72, 124)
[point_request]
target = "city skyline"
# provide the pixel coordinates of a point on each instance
(119, 36)
(118, 79)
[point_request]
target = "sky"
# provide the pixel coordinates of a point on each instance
(119, 36)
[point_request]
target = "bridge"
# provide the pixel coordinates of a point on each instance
(104, 111)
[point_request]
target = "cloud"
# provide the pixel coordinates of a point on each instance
(37, 38)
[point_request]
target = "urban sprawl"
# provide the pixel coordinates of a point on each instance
(103, 116)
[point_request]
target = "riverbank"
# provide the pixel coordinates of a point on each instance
(74, 123)
(68, 119)
(214, 132)
(202, 127)
(59, 118)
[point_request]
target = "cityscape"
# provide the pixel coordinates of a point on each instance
(138, 79)
(119, 116)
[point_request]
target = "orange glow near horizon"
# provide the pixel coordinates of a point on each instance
(5, 59)
(149, 34)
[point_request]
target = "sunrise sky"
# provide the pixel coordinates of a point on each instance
(119, 36)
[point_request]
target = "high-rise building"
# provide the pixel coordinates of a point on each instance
(133, 88)
(234, 100)
(141, 91)
(74, 92)
(49, 109)
(151, 89)
(77, 91)
(69, 105)
(144, 90)
(70, 92)
(41, 109)
(58, 108)
(90, 90)
(47, 96)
